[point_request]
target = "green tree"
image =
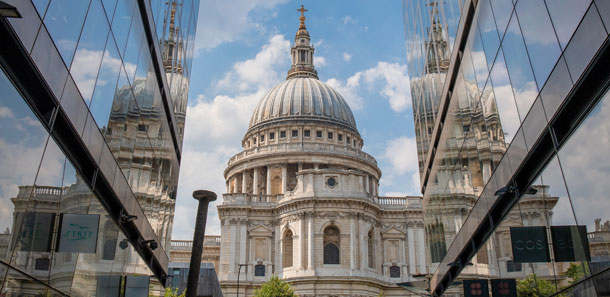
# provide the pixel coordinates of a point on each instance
(174, 293)
(575, 272)
(533, 286)
(275, 287)
(381, 294)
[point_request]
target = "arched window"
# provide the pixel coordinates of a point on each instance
(287, 249)
(331, 245)
(371, 250)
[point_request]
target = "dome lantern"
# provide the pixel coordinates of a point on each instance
(302, 52)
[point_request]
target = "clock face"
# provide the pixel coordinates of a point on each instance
(331, 181)
(302, 40)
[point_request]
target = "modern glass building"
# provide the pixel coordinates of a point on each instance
(512, 119)
(93, 97)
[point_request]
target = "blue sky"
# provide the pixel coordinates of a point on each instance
(243, 50)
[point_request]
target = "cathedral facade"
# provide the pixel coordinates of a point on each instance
(302, 199)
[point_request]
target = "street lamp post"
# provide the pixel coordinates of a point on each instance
(204, 197)
(238, 274)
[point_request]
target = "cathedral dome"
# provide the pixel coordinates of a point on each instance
(303, 99)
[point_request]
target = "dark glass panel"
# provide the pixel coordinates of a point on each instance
(566, 14)
(556, 88)
(584, 44)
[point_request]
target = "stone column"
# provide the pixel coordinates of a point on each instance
(352, 242)
(204, 198)
(364, 256)
(310, 242)
(243, 228)
(284, 178)
(411, 243)
(232, 246)
(255, 182)
(278, 248)
(422, 250)
(268, 186)
(244, 183)
(366, 183)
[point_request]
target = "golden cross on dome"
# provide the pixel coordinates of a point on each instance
(302, 10)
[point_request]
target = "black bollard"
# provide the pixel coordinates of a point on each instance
(204, 197)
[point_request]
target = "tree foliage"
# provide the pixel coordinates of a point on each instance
(275, 287)
(174, 293)
(575, 272)
(381, 294)
(534, 286)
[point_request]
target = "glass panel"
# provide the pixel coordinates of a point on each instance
(505, 101)
(584, 44)
(121, 22)
(64, 20)
(105, 87)
(19, 284)
(586, 168)
(534, 123)
(539, 36)
(556, 88)
(90, 49)
(489, 34)
(109, 6)
(22, 142)
(133, 50)
(603, 7)
(502, 10)
(566, 14)
(519, 69)
(41, 6)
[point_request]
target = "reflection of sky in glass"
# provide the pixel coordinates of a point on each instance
(64, 20)
(106, 84)
(519, 69)
(539, 37)
(502, 10)
(566, 14)
(509, 117)
(121, 22)
(585, 163)
(22, 140)
(90, 48)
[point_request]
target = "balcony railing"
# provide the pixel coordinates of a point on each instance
(399, 202)
(209, 240)
(303, 147)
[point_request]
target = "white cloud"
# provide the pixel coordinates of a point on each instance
(401, 152)
(348, 20)
(347, 57)
(319, 61)
(318, 43)
(349, 90)
(6, 112)
(258, 72)
(227, 21)
(395, 86)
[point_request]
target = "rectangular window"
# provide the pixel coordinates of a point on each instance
(511, 266)
(319, 134)
(306, 133)
(295, 133)
(330, 135)
(262, 138)
(282, 134)
(254, 140)
(348, 140)
(340, 137)
(259, 270)
(142, 128)
(272, 136)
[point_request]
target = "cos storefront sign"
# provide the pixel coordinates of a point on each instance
(78, 233)
(530, 244)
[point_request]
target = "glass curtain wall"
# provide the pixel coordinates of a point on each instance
(520, 60)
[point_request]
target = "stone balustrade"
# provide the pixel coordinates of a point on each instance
(399, 202)
(303, 148)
